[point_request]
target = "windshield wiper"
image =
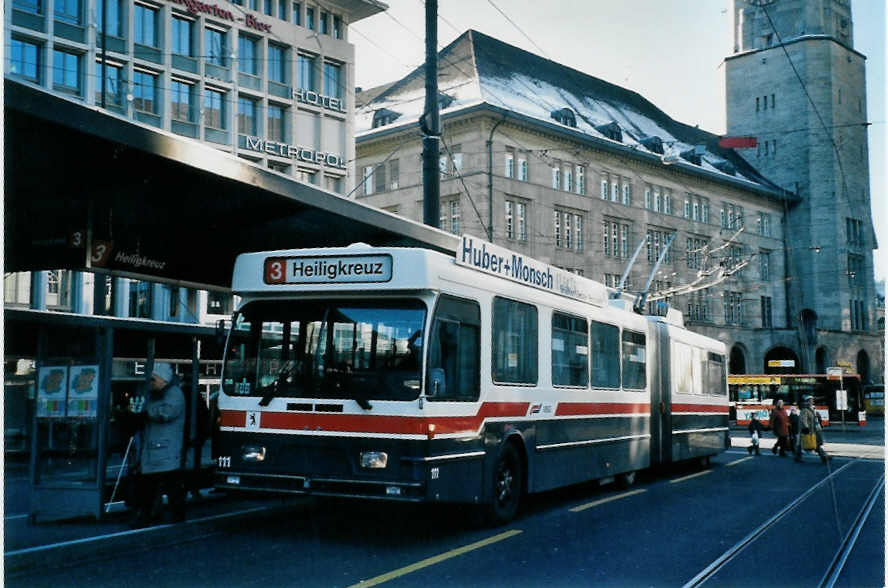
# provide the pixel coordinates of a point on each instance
(282, 375)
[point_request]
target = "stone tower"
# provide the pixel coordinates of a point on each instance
(796, 83)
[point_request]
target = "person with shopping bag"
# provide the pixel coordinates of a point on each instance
(780, 428)
(811, 434)
(755, 432)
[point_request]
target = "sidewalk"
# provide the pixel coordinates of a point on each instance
(867, 442)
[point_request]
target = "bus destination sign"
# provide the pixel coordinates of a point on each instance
(339, 269)
(492, 259)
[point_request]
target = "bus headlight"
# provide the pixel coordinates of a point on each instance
(374, 460)
(253, 453)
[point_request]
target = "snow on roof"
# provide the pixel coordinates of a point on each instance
(477, 69)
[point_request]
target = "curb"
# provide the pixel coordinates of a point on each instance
(70, 552)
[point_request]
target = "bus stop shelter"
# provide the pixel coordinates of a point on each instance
(91, 191)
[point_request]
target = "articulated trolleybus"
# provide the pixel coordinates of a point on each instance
(407, 374)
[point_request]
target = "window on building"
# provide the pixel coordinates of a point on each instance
(214, 47)
(113, 79)
(145, 91)
(514, 342)
(306, 66)
(278, 167)
(34, 6)
(268, 7)
(394, 174)
(581, 180)
(66, 71)
(68, 11)
(182, 32)
(604, 186)
(282, 9)
(182, 101)
(853, 232)
(660, 305)
(325, 23)
(219, 303)
(556, 177)
(855, 271)
(509, 169)
(687, 207)
(214, 108)
(367, 183)
(522, 169)
(337, 26)
(247, 116)
(297, 13)
(767, 321)
(616, 238)
(277, 63)
(277, 127)
(615, 188)
(570, 351)
(379, 177)
(115, 24)
(733, 308)
(567, 174)
(310, 18)
(765, 265)
(247, 56)
(657, 240)
(764, 224)
(567, 224)
(24, 59)
(667, 201)
(699, 306)
(450, 216)
(145, 25)
(333, 80)
(696, 254)
(648, 197)
(627, 192)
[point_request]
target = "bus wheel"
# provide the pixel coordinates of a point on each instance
(506, 486)
(626, 480)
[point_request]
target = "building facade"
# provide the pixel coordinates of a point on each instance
(796, 82)
(578, 172)
(271, 81)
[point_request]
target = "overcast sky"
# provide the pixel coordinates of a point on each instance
(670, 51)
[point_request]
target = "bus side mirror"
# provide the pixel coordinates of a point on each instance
(437, 385)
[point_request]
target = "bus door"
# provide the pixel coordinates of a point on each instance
(661, 398)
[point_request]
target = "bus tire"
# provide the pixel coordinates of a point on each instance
(507, 486)
(626, 479)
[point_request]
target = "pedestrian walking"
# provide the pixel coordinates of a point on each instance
(780, 428)
(809, 421)
(160, 452)
(793, 427)
(755, 433)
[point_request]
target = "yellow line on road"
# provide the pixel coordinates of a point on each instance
(609, 499)
(736, 461)
(697, 475)
(434, 560)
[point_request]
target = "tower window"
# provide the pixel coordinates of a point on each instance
(772, 100)
(756, 103)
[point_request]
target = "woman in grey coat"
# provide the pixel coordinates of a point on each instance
(160, 455)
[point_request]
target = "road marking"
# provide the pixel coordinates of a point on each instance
(608, 499)
(736, 461)
(697, 475)
(434, 560)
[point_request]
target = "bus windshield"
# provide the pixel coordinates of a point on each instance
(327, 349)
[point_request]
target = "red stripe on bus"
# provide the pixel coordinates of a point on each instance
(584, 408)
(713, 408)
(360, 423)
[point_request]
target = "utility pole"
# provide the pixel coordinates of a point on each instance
(430, 123)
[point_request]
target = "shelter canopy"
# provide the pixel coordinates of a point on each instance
(88, 190)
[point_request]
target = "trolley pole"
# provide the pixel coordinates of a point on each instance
(430, 123)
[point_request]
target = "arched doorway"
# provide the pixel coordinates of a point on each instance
(786, 356)
(863, 366)
(820, 360)
(737, 361)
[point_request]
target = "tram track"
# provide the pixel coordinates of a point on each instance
(725, 558)
(838, 563)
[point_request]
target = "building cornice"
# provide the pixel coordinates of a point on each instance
(794, 41)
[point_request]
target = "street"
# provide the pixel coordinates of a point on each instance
(721, 525)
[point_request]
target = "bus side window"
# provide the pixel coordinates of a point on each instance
(455, 350)
(605, 355)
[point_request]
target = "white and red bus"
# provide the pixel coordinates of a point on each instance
(407, 374)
